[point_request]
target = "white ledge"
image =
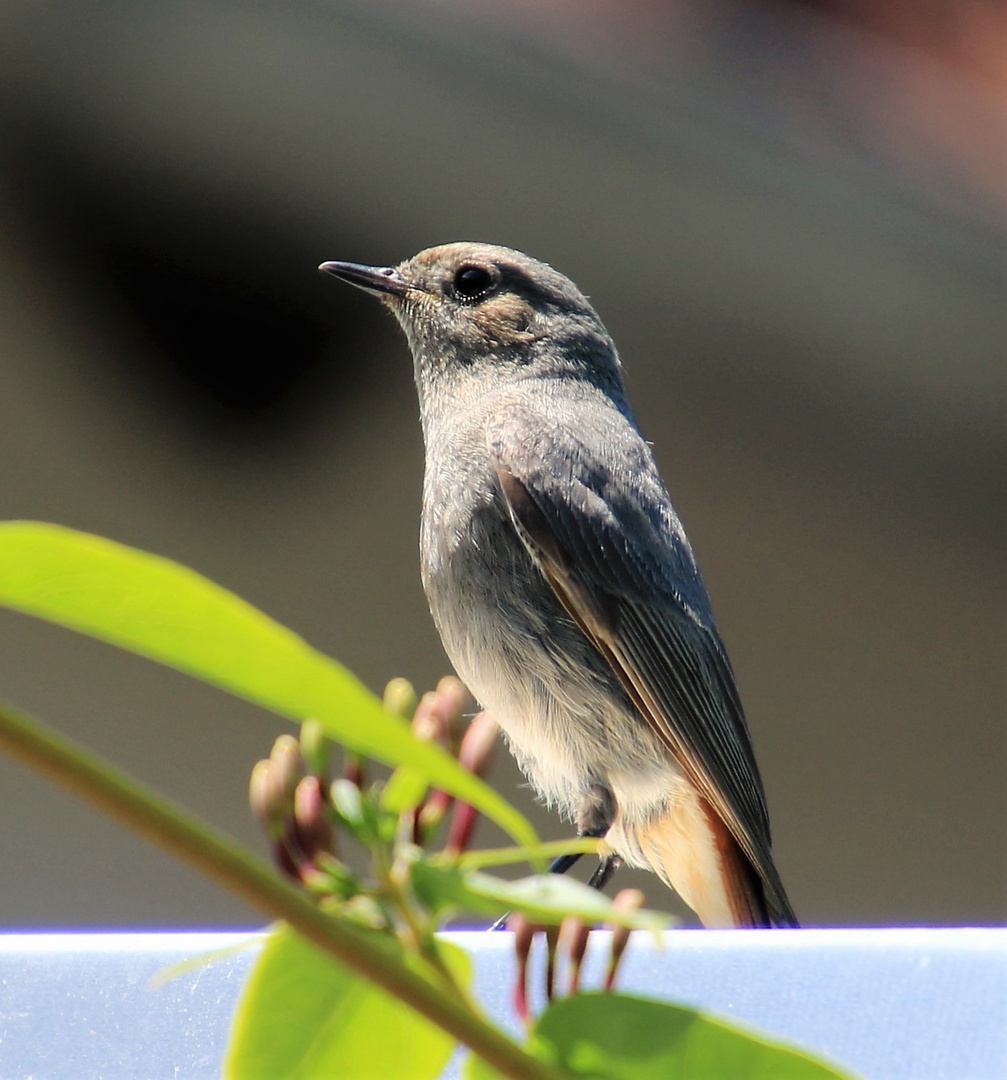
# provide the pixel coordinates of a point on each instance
(905, 1004)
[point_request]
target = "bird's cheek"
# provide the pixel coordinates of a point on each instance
(505, 321)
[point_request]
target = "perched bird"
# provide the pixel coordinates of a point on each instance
(562, 582)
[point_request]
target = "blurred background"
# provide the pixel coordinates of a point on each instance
(791, 216)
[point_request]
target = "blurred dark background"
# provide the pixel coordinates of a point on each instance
(793, 219)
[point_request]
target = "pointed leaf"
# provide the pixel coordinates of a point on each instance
(544, 898)
(304, 1016)
(620, 1037)
(166, 612)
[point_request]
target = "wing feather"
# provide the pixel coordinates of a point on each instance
(619, 563)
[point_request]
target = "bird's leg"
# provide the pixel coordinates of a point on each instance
(607, 866)
(594, 819)
(563, 863)
(597, 813)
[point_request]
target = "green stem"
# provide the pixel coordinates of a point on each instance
(476, 860)
(242, 873)
(395, 887)
(426, 945)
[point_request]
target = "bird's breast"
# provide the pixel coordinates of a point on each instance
(566, 717)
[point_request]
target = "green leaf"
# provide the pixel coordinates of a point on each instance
(171, 614)
(545, 898)
(403, 791)
(619, 1037)
(303, 1016)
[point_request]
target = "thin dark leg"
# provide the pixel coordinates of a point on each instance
(603, 875)
(563, 863)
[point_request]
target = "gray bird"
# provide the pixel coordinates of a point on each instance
(562, 582)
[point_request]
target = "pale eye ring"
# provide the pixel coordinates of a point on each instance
(472, 282)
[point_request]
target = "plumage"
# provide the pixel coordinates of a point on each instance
(562, 582)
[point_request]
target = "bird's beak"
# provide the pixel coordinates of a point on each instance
(377, 280)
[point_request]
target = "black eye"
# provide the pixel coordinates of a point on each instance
(471, 282)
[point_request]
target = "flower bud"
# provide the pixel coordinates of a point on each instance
(261, 798)
(476, 750)
(287, 767)
(285, 861)
(627, 900)
(348, 801)
(432, 812)
(400, 698)
(551, 941)
(573, 939)
(427, 723)
(474, 754)
(452, 699)
(524, 934)
(315, 748)
(463, 821)
(312, 828)
(353, 769)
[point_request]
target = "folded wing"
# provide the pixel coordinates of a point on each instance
(605, 536)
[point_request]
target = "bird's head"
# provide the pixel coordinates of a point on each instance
(476, 308)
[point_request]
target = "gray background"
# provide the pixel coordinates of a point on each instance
(795, 230)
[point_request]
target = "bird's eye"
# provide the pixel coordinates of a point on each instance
(471, 282)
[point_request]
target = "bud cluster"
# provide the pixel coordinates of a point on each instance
(303, 811)
(567, 942)
(410, 888)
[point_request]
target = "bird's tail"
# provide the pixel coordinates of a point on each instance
(694, 852)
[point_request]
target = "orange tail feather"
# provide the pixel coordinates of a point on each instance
(693, 851)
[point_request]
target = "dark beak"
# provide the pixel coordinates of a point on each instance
(377, 280)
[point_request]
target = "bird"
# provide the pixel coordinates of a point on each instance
(562, 583)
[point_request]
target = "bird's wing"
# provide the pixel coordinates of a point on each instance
(618, 560)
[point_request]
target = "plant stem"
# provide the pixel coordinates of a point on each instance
(579, 845)
(242, 873)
